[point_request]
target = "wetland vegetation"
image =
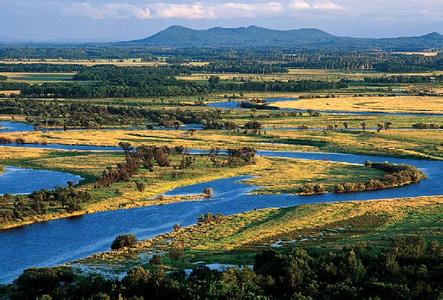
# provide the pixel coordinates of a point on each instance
(180, 122)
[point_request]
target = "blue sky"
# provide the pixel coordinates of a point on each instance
(106, 20)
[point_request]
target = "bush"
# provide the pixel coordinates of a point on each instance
(397, 175)
(208, 192)
(311, 189)
(140, 186)
(175, 252)
(124, 241)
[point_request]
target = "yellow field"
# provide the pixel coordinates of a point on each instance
(9, 93)
(261, 228)
(420, 143)
(287, 175)
(15, 153)
(376, 104)
(301, 74)
(133, 62)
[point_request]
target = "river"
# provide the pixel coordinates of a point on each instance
(59, 241)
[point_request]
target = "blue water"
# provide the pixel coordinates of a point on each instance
(236, 105)
(59, 241)
(64, 147)
(24, 181)
(6, 126)
(182, 127)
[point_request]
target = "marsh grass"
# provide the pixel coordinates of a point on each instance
(318, 227)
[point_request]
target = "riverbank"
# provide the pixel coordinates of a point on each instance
(423, 144)
(266, 172)
(273, 176)
(319, 227)
(123, 195)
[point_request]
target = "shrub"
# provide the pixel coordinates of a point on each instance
(208, 192)
(209, 218)
(156, 260)
(311, 189)
(140, 186)
(124, 241)
(175, 252)
(398, 175)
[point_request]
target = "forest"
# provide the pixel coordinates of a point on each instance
(408, 267)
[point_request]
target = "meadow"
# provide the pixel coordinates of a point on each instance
(408, 104)
(266, 174)
(320, 228)
(126, 179)
(37, 77)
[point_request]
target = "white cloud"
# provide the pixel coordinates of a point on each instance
(174, 10)
(118, 10)
(300, 5)
(327, 6)
(303, 5)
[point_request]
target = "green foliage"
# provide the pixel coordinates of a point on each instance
(124, 241)
(397, 175)
(408, 268)
(40, 202)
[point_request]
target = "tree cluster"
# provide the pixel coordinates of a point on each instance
(15, 208)
(397, 175)
(409, 268)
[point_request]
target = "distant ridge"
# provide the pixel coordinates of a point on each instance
(254, 36)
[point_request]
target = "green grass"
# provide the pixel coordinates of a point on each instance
(319, 228)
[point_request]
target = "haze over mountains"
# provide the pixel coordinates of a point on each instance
(254, 36)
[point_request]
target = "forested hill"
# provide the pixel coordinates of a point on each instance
(253, 36)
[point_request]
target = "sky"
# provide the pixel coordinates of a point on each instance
(108, 20)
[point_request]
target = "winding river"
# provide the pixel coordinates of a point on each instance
(59, 241)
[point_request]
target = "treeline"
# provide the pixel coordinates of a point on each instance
(134, 159)
(409, 268)
(149, 156)
(382, 62)
(278, 86)
(410, 63)
(16, 208)
(111, 81)
(427, 126)
(42, 68)
(83, 114)
(3, 78)
(240, 67)
(233, 157)
(397, 175)
(404, 79)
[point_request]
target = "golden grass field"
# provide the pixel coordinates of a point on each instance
(9, 93)
(131, 62)
(417, 143)
(316, 225)
(415, 104)
(287, 175)
(300, 74)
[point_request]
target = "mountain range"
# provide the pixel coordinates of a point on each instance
(254, 36)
